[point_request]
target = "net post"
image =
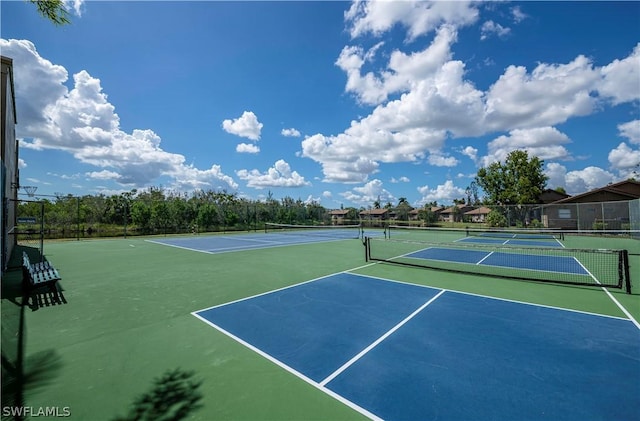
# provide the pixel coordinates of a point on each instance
(627, 275)
(366, 249)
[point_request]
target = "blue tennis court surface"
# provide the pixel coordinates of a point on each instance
(558, 264)
(397, 351)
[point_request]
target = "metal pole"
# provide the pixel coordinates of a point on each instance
(41, 231)
(126, 205)
(78, 219)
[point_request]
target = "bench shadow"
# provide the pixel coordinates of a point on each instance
(45, 297)
(36, 297)
(20, 374)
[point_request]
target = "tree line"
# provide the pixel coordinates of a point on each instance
(157, 211)
(517, 181)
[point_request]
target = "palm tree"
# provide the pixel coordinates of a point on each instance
(54, 10)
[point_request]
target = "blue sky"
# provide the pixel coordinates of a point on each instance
(342, 103)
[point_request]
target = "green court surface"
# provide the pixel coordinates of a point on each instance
(126, 320)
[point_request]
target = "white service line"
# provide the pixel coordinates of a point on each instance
(616, 302)
(380, 339)
(621, 307)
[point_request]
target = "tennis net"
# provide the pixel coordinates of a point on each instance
(332, 231)
(588, 267)
(455, 233)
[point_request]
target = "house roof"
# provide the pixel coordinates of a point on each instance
(549, 195)
(482, 210)
(625, 190)
(374, 212)
(462, 207)
(339, 212)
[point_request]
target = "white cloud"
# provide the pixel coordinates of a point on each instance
(402, 130)
(402, 72)
(625, 159)
(550, 94)
(188, 177)
(39, 80)
(470, 152)
(103, 175)
(443, 193)
(82, 122)
(620, 79)
(400, 180)
(543, 142)
(247, 125)
(490, 27)
(419, 17)
(290, 132)
(310, 200)
(327, 194)
(369, 193)
(74, 6)
(556, 174)
(438, 160)
(579, 181)
(631, 131)
(247, 148)
(587, 179)
(280, 175)
(517, 14)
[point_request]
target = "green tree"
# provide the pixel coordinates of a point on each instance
(496, 219)
(54, 10)
(352, 214)
(427, 215)
(472, 193)
(403, 209)
(141, 215)
(517, 181)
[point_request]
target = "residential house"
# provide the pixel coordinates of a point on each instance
(374, 217)
(606, 207)
(454, 213)
(338, 216)
(478, 215)
(550, 196)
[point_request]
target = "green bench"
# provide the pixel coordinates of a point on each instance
(39, 274)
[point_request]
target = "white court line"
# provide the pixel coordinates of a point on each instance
(379, 340)
(497, 298)
(273, 244)
(322, 385)
(484, 258)
(616, 302)
(291, 370)
(287, 287)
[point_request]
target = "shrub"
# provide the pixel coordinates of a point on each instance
(496, 219)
